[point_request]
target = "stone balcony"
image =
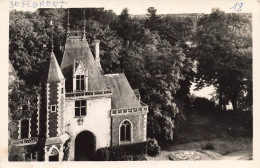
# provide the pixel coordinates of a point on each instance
(85, 94)
(126, 111)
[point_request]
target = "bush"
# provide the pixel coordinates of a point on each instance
(15, 153)
(135, 151)
(102, 154)
(203, 105)
(153, 149)
(208, 146)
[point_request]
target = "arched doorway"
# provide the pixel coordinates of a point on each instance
(85, 145)
(54, 155)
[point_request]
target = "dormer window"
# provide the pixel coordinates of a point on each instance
(80, 77)
(80, 82)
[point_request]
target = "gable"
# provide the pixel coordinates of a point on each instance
(80, 69)
(80, 51)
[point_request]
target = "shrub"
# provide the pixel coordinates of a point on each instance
(102, 154)
(135, 151)
(203, 105)
(66, 149)
(15, 153)
(153, 149)
(209, 146)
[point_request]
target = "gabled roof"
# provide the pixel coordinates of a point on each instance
(123, 94)
(76, 50)
(53, 72)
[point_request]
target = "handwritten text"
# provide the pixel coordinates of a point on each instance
(37, 4)
(237, 7)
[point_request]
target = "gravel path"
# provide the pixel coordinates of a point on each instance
(183, 155)
(239, 155)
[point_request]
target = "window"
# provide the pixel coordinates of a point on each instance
(80, 108)
(53, 108)
(125, 131)
(24, 128)
(62, 91)
(80, 82)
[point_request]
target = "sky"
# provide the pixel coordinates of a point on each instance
(141, 6)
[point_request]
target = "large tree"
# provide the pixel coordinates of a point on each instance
(224, 55)
(156, 67)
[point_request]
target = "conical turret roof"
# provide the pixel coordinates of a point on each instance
(53, 72)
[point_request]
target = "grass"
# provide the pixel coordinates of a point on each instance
(219, 132)
(220, 146)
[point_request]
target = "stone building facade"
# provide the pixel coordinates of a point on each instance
(81, 109)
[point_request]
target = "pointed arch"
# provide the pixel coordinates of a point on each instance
(125, 131)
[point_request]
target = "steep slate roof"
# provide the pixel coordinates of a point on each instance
(52, 72)
(123, 94)
(79, 50)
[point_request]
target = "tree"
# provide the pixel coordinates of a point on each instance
(153, 21)
(224, 54)
(127, 28)
(110, 45)
(156, 67)
(25, 46)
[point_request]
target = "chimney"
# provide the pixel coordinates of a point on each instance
(97, 53)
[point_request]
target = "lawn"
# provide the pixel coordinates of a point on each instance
(221, 133)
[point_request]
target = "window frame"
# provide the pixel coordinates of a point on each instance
(80, 107)
(54, 111)
(80, 82)
(130, 132)
(20, 128)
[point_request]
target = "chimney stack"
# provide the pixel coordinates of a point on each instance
(97, 52)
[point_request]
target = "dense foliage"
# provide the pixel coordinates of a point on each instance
(153, 149)
(224, 54)
(203, 105)
(135, 151)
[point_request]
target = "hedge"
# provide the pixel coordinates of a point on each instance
(136, 151)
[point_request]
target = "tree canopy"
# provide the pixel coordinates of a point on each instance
(224, 54)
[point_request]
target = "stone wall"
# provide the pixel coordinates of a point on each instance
(53, 116)
(34, 124)
(42, 116)
(137, 121)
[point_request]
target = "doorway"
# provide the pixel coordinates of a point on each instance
(54, 158)
(85, 146)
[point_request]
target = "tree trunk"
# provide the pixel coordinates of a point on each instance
(234, 104)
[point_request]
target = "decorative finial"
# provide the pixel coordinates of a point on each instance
(68, 24)
(84, 26)
(51, 36)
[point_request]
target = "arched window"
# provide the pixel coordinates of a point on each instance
(125, 131)
(24, 128)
